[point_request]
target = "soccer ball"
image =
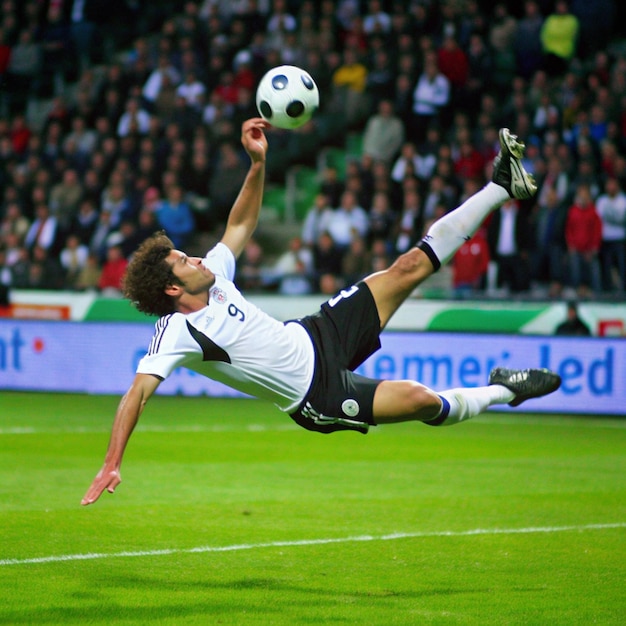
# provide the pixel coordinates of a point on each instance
(287, 97)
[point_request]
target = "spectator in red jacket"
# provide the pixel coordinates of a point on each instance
(583, 236)
(469, 265)
(453, 62)
(113, 271)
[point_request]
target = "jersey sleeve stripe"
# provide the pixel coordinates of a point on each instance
(160, 327)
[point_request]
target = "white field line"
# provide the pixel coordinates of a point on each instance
(309, 542)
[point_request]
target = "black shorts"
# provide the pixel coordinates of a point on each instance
(345, 332)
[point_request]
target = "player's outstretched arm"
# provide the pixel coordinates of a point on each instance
(244, 215)
(126, 418)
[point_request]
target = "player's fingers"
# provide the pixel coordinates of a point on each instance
(108, 482)
(93, 493)
(114, 481)
(255, 123)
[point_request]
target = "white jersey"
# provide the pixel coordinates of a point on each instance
(234, 342)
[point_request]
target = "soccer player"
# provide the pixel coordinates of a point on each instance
(304, 366)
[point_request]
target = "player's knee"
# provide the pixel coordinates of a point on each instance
(412, 266)
(422, 402)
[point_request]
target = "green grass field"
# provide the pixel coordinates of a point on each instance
(229, 514)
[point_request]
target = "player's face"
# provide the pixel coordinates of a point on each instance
(196, 278)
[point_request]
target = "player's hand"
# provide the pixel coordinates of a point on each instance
(253, 138)
(106, 478)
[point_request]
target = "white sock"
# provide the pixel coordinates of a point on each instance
(462, 404)
(449, 232)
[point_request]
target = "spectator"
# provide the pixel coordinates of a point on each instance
(192, 90)
(147, 225)
(195, 177)
(88, 278)
(44, 231)
(154, 83)
(101, 232)
(508, 235)
(376, 20)
(611, 207)
(55, 39)
(356, 263)
(431, 98)
(175, 217)
(11, 246)
(23, 71)
(85, 221)
(14, 222)
(331, 185)
(384, 133)
(349, 99)
(84, 138)
(20, 269)
(347, 220)
(411, 162)
(381, 217)
(73, 259)
(65, 198)
(45, 271)
(583, 235)
(527, 42)
(454, 65)
(409, 226)
(380, 257)
(250, 274)
(20, 134)
(469, 163)
(279, 23)
(596, 20)
(134, 121)
(479, 73)
(164, 105)
(572, 326)
(312, 226)
(113, 269)
(327, 258)
(84, 17)
(115, 201)
(469, 265)
(501, 38)
(548, 259)
(559, 38)
(228, 175)
(293, 270)
(381, 78)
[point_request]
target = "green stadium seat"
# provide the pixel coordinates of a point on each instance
(333, 157)
(354, 146)
(274, 203)
(302, 187)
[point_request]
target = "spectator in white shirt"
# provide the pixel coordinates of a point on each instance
(346, 220)
(134, 121)
(611, 207)
(430, 97)
(376, 21)
(192, 90)
(152, 86)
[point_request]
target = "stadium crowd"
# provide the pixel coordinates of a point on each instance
(119, 118)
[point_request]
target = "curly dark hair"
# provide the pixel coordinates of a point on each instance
(149, 274)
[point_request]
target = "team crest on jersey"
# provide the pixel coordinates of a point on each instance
(218, 295)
